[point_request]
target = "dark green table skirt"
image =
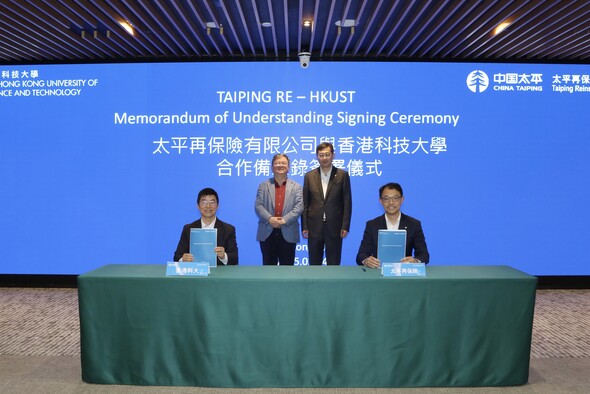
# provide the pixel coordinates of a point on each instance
(306, 327)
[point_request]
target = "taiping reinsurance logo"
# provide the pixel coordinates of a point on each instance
(478, 81)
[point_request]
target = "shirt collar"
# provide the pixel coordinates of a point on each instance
(212, 225)
(327, 174)
(393, 225)
(274, 181)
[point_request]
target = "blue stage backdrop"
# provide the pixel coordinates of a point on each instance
(102, 163)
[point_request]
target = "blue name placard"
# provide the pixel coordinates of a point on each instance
(403, 269)
(176, 268)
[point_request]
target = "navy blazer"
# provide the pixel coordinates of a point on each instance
(336, 204)
(415, 240)
(226, 237)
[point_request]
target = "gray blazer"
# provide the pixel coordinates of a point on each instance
(265, 208)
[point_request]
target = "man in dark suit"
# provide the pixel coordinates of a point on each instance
(327, 208)
(391, 197)
(227, 246)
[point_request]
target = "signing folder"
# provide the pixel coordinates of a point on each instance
(391, 246)
(203, 243)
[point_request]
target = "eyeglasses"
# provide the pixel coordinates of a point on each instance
(281, 164)
(392, 198)
(207, 203)
(325, 155)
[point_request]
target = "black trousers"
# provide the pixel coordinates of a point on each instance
(275, 250)
(332, 244)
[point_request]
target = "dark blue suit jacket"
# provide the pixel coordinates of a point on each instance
(415, 240)
(226, 237)
(336, 204)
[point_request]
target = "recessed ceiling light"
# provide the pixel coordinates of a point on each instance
(266, 24)
(346, 23)
(128, 27)
(307, 23)
(501, 27)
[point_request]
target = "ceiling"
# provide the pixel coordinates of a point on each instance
(72, 31)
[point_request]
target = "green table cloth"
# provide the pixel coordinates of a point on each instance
(330, 326)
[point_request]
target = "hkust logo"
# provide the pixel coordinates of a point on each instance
(478, 81)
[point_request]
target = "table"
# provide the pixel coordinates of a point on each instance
(326, 326)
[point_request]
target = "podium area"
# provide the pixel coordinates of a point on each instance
(254, 326)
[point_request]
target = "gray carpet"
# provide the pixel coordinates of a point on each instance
(40, 348)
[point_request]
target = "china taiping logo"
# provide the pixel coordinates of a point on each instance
(478, 81)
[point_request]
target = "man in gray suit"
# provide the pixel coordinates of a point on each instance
(279, 203)
(327, 208)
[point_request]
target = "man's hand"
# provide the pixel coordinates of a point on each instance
(220, 251)
(275, 221)
(372, 262)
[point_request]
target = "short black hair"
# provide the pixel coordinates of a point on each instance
(391, 185)
(323, 146)
(207, 192)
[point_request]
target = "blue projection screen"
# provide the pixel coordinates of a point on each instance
(102, 163)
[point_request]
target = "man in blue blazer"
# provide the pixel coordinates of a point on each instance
(279, 203)
(227, 246)
(391, 196)
(327, 208)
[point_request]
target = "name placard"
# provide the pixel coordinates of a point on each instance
(403, 269)
(176, 268)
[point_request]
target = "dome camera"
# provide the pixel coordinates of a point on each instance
(304, 59)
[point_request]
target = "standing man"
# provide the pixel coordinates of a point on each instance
(327, 208)
(227, 246)
(279, 203)
(391, 196)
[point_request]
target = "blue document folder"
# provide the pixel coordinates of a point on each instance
(203, 243)
(391, 246)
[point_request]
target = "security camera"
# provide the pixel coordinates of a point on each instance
(304, 59)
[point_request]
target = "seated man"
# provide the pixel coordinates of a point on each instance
(391, 196)
(227, 246)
